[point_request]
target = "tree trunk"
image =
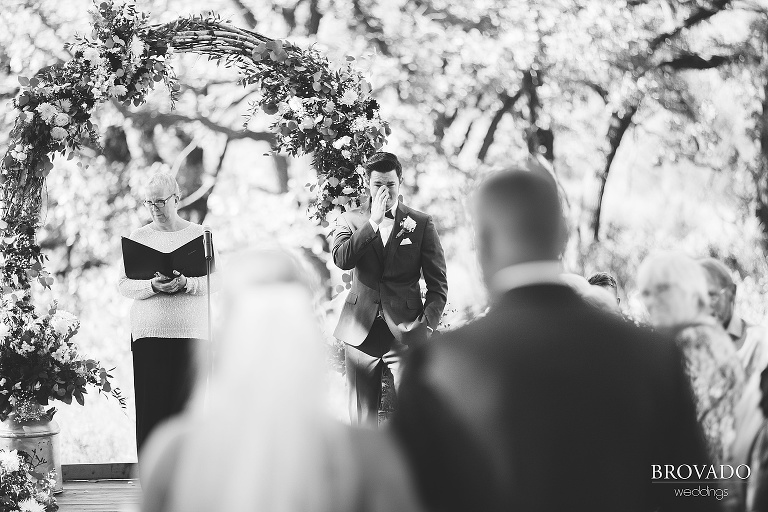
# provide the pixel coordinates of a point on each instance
(761, 170)
(619, 125)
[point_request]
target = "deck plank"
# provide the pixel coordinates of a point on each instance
(100, 495)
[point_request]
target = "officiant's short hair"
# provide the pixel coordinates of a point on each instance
(163, 179)
(383, 162)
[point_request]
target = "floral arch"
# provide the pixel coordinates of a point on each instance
(318, 109)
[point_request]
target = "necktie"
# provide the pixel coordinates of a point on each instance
(389, 215)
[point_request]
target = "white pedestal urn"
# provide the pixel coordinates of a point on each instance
(29, 429)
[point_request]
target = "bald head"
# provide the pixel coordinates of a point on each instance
(518, 218)
(717, 271)
(721, 289)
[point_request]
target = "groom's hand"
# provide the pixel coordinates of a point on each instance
(379, 205)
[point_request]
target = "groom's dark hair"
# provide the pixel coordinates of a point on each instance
(383, 162)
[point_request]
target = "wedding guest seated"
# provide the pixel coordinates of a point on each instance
(544, 404)
(756, 492)
(168, 315)
(673, 288)
(259, 439)
(607, 282)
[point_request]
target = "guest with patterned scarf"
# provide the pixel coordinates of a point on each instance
(673, 288)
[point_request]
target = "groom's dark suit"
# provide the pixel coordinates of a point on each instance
(383, 311)
(547, 404)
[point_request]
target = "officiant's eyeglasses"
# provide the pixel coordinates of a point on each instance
(160, 203)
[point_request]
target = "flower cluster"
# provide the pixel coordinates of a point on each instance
(40, 361)
(20, 490)
(320, 108)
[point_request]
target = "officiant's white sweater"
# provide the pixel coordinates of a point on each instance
(160, 315)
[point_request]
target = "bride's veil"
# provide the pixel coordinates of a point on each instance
(257, 437)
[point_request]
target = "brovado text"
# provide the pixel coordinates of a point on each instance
(699, 472)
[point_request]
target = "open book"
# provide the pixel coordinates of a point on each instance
(141, 261)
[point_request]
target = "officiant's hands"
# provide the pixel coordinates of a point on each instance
(165, 284)
(379, 205)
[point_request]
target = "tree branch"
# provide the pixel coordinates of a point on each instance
(169, 119)
(246, 13)
(692, 61)
(372, 26)
(507, 105)
(701, 14)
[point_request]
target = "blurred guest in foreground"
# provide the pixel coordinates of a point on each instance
(260, 439)
(168, 316)
(756, 495)
(673, 288)
(607, 282)
(545, 404)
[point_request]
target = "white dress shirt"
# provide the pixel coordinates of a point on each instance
(525, 274)
(385, 227)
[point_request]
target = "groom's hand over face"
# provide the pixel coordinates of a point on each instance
(379, 205)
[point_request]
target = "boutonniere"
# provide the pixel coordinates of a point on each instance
(407, 225)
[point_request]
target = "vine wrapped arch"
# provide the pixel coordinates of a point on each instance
(318, 107)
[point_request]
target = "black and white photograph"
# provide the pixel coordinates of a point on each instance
(383, 255)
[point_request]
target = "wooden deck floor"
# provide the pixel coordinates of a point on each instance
(100, 496)
(99, 488)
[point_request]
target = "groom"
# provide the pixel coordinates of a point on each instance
(388, 246)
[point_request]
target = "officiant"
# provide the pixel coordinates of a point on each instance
(168, 315)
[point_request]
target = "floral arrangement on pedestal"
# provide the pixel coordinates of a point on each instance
(19, 490)
(40, 362)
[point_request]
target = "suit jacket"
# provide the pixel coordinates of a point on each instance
(547, 404)
(389, 276)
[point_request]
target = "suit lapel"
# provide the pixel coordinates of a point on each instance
(392, 243)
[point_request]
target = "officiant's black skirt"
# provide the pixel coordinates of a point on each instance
(163, 375)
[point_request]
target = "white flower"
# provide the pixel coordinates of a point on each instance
(62, 354)
(282, 108)
(137, 46)
(58, 133)
(295, 104)
(65, 105)
(47, 111)
(63, 321)
(329, 107)
(408, 224)
(359, 124)
(348, 98)
(307, 123)
(27, 348)
(342, 142)
(30, 505)
(92, 55)
(96, 93)
(4, 330)
(61, 119)
(346, 154)
(9, 460)
(117, 91)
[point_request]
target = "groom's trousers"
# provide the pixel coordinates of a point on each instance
(364, 368)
